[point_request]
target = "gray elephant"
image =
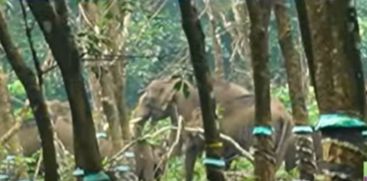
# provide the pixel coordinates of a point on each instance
(161, 100)
(61, 118)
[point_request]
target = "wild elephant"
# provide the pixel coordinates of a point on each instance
(161, 100)
(148, 162)
(238, 125)
(61, 118)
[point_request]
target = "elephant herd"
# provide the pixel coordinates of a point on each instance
(160, 100)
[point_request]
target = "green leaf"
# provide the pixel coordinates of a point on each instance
(178, 85)
(186, 90)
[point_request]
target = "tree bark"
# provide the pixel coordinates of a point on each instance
(119, 75)
(303, 21)
(217, 50)
(117, 67)
(259, 11)
(96, 94)
(339, 84)
(110, 109)
(6, 116)
(297, 93)
(7, 124)
(34, 92)
(53, 22)
(195, 37)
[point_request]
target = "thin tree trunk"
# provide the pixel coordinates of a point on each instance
(296, 90)
(110, 109)
(242, 20)
(117, 68)
(96, 93)
(195, 37)
(6, 116)
(53, 22)
(303, 21)
(259, 11)
(217, 50)
(339, 84)
(7, 122)
(119, 75)
(34, 92)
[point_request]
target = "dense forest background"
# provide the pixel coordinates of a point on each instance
(154, 46)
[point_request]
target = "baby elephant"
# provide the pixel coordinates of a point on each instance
(148, 161)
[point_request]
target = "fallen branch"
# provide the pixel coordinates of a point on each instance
(118, 155)
(5, 137)
(243, 152)
(175, 143)
(38, 166)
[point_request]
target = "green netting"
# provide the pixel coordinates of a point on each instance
(339, 121)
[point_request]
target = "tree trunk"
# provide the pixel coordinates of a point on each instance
(217, 50)
(340, 86)
(6, 116)
(96, 94)
(303, 21)
(295, 79)
(110, 109)
(36, 99)
(240, 60)
(53, 22)
(259, 11)
(7, 122)
(119, 75)
(117, 67)
(195, 37)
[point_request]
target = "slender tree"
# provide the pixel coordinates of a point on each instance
(53, 21)
(259, 11)
(195, 37)
(111, 73)
(304, 145)
(217, 50)
(9, 124)
(333, 36)
(34, 93)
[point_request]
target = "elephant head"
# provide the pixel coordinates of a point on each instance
(157, 101)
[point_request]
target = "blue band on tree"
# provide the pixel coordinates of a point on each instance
(78, 172)
(364, 133)
(129, 154)
(214, 161)
(91, 176)
(339, 121)
(262, 130)
(302, 129)
(101, 135)
(122, 168)
(4, 177)
(100, 176)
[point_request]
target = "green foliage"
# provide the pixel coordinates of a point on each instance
(282, 93)
(183, 87)
(16, 88)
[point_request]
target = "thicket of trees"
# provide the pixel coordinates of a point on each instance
(97, 60)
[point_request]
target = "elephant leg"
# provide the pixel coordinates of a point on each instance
(191, 154)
